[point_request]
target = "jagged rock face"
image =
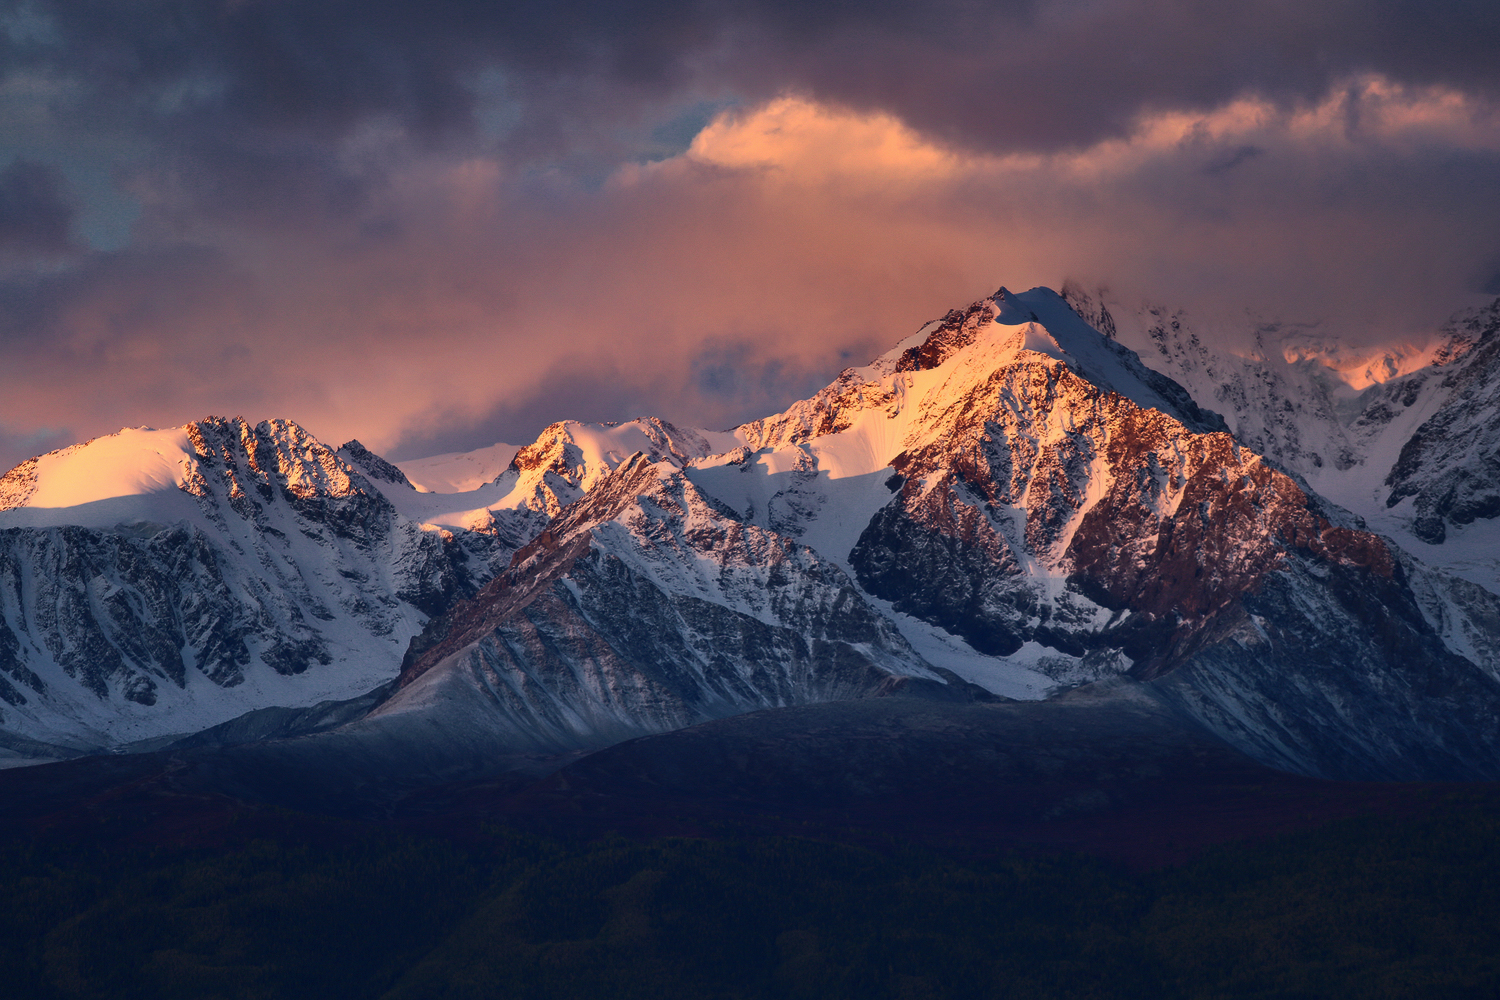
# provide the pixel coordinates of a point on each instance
(1331, 670)
(236, 566)
(568, 457)
(1414, 452)
(1132, 509)
(1032, 507)
(606, 653)
(1015, 480)
(647, 607)
(371, 464)
(1289, 414)
(1008, 500)
(116, 612)
(266, 571)
(281, 463)
(939, 560)
(1451, 465)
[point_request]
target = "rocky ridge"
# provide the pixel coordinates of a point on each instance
(253, 567)
(1009, 503)
(1405, 438)
(1025, 510)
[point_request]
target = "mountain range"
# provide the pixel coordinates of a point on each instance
(1294, 553)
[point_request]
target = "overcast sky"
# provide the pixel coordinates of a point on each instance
(437, 225)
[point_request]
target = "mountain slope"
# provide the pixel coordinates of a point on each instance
(1405, 437)
(157, 582)
(1029, 508)
(1009, 503)
(1450, 466)
(646, 607)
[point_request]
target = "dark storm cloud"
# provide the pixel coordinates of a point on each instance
(36, 214)
(318, 67)
(1013, 74)
(1071, 73)
(247, 109)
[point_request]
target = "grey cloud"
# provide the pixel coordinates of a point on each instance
(1227, 161)
(246, 107)
(1002, 74)
(143, 295)
(732, 381)
(36, 214)
(17, 447)
(574, 390)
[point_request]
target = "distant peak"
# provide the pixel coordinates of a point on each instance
(372, 464)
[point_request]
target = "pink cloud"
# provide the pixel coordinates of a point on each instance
(463, 300)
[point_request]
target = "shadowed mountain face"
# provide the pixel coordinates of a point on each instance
(1404, 435)
(1004, 506)
(1450, 467)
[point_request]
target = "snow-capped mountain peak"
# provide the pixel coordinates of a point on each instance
(458, 472)
(569, 457)
(157, 581)
(1008, 499)
(130, 463)
(1007, 503)
(1361, 367)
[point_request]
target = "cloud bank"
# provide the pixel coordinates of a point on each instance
(438, 226)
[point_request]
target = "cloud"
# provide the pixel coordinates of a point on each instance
(1231, 159)
(16, 448)
(36, 214)
(277, 88)
(465, 300)
(1376, 207)
(441, 224)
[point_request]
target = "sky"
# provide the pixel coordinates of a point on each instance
(438, 225)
